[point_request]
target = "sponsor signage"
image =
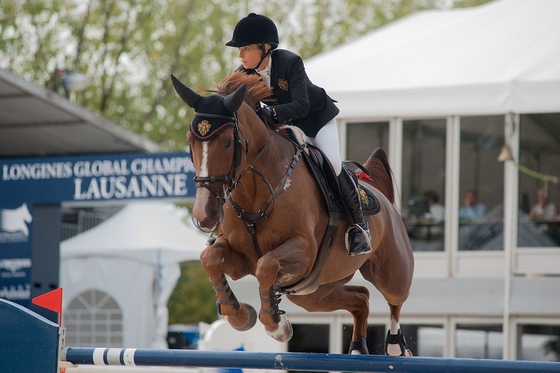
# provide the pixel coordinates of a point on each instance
(25, 182)
(97, 178)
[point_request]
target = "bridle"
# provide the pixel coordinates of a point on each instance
(230, 181)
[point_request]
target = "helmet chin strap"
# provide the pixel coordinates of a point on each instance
(263, 56)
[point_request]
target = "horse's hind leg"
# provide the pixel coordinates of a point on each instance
(336, 296)
(395, 343)
(217, 259)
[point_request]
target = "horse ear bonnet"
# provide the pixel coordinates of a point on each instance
(216, 112)
(206, 127)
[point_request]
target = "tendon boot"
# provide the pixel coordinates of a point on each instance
(357, 237)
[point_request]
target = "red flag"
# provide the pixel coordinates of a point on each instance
(51, 301)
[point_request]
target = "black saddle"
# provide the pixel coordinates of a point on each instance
(327, 180)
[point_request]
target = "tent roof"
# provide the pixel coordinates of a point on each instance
(35, 121)
(138, 232)
(500, 57)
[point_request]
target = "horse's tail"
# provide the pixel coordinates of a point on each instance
(381, 173)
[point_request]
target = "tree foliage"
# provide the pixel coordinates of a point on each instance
(193, 299)
(130, 47)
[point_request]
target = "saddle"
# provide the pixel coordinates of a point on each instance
(327, 180)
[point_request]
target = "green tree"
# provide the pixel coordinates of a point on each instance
(129, 47)
(193, 298)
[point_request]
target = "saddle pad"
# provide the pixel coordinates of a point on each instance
(370, 204)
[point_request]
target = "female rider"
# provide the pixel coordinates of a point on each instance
(300, 103)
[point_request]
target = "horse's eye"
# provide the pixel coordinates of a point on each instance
(229, 143)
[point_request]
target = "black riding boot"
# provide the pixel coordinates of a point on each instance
(357, 237)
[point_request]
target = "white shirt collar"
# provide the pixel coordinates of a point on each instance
(265, 73)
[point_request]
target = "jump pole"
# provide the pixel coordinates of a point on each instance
(296, 361)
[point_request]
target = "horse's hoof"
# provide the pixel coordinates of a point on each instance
(284, 332)
(394, 350)
(395, 345)
(251, 318)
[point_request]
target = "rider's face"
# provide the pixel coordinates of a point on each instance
(250, 56)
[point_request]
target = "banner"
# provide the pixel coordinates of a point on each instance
(96, 178)
(25, 182)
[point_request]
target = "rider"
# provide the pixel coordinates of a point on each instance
(300, 103)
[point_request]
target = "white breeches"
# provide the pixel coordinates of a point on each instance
(327, 140)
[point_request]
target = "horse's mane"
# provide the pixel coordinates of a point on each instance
(256, 89)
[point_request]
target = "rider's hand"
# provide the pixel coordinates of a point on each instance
(266, 113)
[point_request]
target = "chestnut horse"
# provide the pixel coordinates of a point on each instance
(270, 218)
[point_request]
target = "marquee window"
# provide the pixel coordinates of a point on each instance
(362, 138)
(539, 157)
(423, 182)
(93, 319)
(479, 341)
(539, 342)
(481, 228)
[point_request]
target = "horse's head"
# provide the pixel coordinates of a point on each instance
(216, 150)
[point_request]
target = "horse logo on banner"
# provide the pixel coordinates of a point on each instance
(13, 224)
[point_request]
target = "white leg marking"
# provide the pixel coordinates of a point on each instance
(394, 326)
(394, 349)
(284, 332)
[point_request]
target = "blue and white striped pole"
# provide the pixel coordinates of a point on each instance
(297, 361)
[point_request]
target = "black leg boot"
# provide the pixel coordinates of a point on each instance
(357, 237)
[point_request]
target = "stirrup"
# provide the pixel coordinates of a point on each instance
(348, 237)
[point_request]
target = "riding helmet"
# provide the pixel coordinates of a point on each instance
(254, 29)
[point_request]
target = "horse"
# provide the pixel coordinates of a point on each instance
(269, 217)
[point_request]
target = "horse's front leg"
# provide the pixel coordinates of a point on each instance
(279, 268)
(218, 259)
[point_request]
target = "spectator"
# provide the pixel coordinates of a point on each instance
(543, 209)
(436, 211)
(472, 208)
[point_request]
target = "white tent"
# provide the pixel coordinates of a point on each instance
(134, 258)
(497, 58)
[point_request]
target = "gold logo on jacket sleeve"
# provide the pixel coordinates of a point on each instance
(283, 84)
(204, 127)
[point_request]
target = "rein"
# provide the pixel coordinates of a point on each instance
(250, 219)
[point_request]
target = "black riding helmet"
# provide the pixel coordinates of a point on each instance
(255, 29)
